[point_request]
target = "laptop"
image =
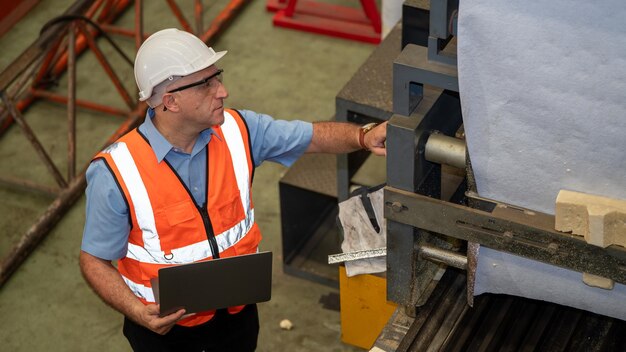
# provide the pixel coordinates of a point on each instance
(214, 284)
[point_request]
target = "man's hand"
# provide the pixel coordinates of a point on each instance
(375, 139)
(148, 316)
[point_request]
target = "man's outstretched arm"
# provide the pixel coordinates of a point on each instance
(342, 137)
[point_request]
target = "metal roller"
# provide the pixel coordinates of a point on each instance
(446, 150)
(444, 256)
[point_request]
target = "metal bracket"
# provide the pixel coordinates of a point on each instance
(506, 228)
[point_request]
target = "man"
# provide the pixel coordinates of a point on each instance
(177, 190)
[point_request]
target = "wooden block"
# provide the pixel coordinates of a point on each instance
(598, 281)
(601, 220)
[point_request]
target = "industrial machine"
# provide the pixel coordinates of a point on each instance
(436, 222)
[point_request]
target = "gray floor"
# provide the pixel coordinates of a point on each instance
(46, 305)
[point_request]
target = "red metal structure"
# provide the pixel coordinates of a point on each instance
(53, 54)
(338, 21)
(12, 11)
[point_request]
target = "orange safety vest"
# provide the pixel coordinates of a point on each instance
(167, 227)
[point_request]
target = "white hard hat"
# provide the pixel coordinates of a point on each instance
(167, 53)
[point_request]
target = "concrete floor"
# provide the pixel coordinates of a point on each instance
(46, 305)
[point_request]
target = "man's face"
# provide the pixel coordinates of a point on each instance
(202, 102)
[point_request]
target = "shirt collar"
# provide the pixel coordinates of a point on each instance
(162, 146)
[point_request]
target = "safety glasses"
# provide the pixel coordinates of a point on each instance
(217, 75)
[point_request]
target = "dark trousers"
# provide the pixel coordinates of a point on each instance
(225, 332)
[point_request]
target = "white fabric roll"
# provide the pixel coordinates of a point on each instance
(542, 86)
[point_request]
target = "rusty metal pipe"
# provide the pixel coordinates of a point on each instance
(220, 21)
(29, 241)
(71, 104)
(25, 185)
(109, 14)
(44, 94)
(179, 15)
(33, 140)
(41, 45)
(112, 29)
(138, 23)
(198, 16)
(14, 90)
(106, 65)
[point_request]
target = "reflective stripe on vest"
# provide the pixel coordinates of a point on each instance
(138, 193)
(140, 290)
(237, 153)
(151, 252)
(197, 251)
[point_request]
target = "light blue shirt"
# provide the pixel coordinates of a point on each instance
(107, 222)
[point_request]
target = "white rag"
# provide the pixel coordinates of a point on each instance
(359, 233)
